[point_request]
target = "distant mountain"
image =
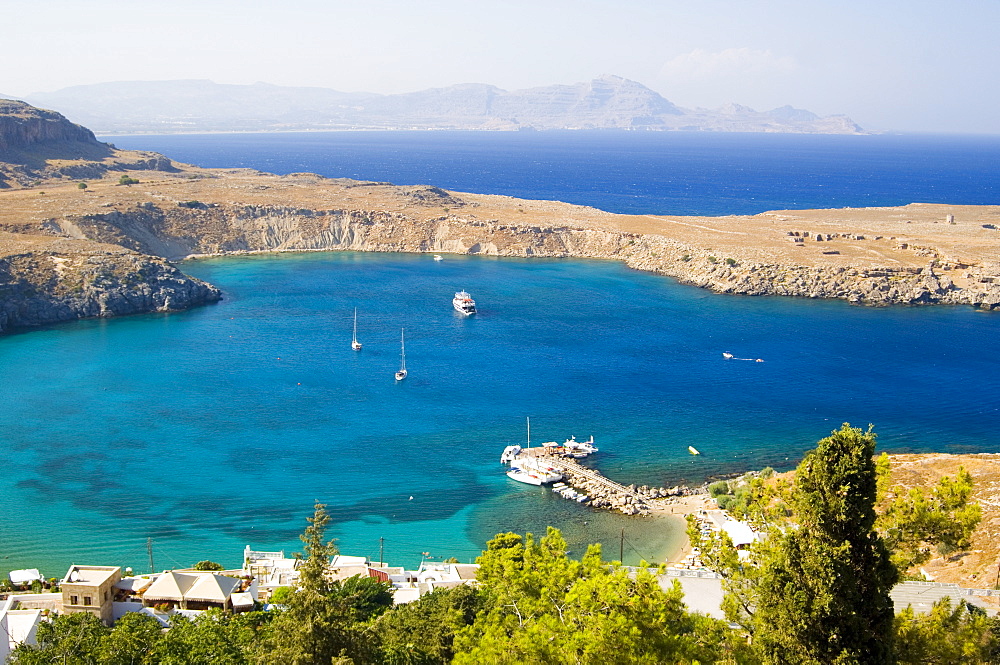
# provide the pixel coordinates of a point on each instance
(608, 102)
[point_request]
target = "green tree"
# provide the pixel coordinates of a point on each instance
(132, 641)
(423, 632)
(71, 639)
(365, 597)
(959, 634)
(128, 180)
(914, 521)
(318, 625)
(208, 565)
(81, 185)
(542, 607)
(816, 589)
(213, 637)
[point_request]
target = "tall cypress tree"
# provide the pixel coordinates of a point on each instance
(818, 591)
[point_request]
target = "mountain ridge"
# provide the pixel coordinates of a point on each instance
(608, 102)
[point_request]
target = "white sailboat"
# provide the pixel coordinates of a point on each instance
(401, 374)
(530, 470)
(355, 344)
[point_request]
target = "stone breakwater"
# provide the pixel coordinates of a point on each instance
(602, 492)
(67, 281)
(182, 232)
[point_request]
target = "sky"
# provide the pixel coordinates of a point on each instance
(889, 65)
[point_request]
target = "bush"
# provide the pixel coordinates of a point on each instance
(127, 180)
(730, 262)
(208, 565)
(718, 488)
(712, 259)
(81, 185)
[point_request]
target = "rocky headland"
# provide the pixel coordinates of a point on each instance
(915, 254)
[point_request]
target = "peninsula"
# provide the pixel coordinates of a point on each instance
(89, 230)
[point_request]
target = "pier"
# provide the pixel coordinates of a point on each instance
(602, 492)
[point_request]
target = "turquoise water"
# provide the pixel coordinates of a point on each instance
(219, 427)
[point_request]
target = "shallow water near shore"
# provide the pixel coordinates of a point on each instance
(219, 427)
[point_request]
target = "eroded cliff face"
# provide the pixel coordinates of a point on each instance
(23, 127)
(179, 232)
(66, 280)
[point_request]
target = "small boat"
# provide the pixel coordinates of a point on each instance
(463, 302)
(727, 356)
(693, 450)
(532, 472)
(579, 449)
(437, 257)
(529, 470)
(401, 374)
(509, 454)
(355, 344)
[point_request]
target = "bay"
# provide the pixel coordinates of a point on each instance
(219, 427)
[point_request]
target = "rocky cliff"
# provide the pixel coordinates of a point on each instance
(24, 127)
(179, 232)
(37, 145)
(53, 281)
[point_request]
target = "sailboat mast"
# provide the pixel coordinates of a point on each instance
(402, 351)
(528, 418)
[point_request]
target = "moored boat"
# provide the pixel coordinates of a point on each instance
(401, 374)
(533, 472)
(464, 303)
(355, 344)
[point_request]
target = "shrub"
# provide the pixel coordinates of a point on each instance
(208, 565)
(730, 262)
(127, 180)
(718, 488)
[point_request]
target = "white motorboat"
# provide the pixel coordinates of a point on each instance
(464, 303)
(355, 344)
(437, 257)
(401, 374)
(532, 471)
(509, 454)
(579, 449)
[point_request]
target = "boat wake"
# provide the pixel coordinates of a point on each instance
(729, 356)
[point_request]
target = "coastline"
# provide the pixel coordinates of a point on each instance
(919, 254)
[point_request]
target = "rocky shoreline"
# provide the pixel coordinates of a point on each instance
(71, 248)
(226, 229)
(63, 283)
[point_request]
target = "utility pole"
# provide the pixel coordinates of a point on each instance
(149, 550)
(381, 547)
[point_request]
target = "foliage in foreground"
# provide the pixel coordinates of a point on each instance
(542, 607)
(816, 589)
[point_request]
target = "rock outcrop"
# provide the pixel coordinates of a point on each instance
(66, 280)
(178, 232)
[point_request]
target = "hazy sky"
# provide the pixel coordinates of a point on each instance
(890, 65)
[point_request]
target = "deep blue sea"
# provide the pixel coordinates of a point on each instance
(219, 427)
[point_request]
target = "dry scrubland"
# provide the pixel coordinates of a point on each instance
(910, 237)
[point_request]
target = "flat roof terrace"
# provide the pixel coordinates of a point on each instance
(91, 575)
